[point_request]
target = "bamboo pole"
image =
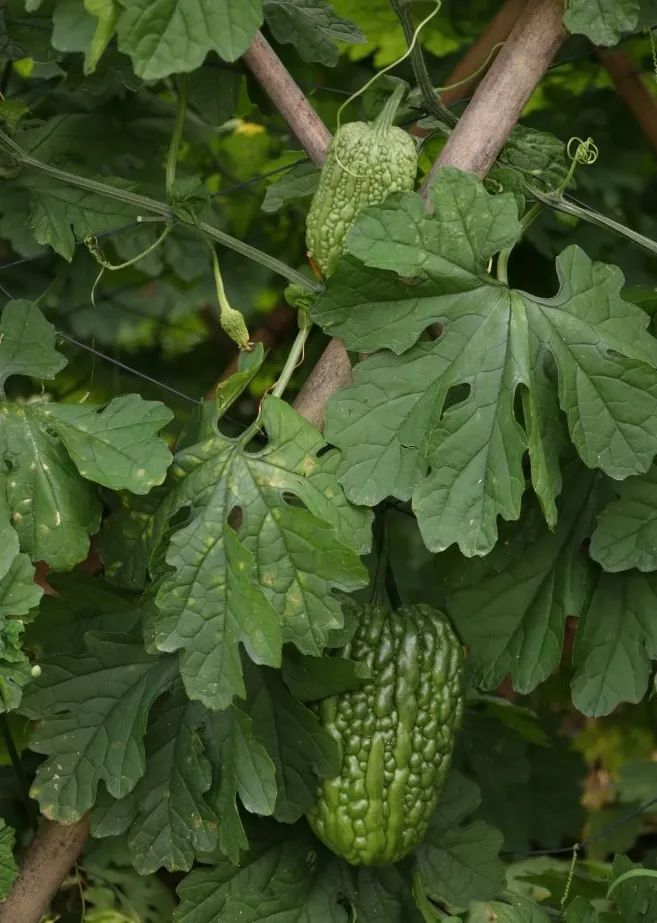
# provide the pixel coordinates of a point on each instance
(632, 89)
(49, 858)
(473, 145)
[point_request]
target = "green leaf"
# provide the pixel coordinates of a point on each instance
(53, 451)
(615, 641)
(497, 759)
(107, 14)
(8, 866)
(18, 594)
(172, 821)
(53, 509)
(61, 215)
(381, 895)
(300, 748)
(581, 911)
(512, 616)
(289, 883)
(536, 154)
(637, 780)
(166, 37)
(460, 864)
(297, 183)
(268, 579)
(636, 898)
(82, 603)
(404, 427)
(626, 533)
(518, 910)
(214, 95)
(312, 27)
(241, 766)
(117, 445)
(602, 21)
(27, 343)
(312, 678)
(123, 541)
(555, 769)
(92, 710)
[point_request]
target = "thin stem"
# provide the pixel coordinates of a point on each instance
(503, 266)
(470, 77)
(560, 204)
(147, 204)
(424, 82)
(176, 135)
(295, 357)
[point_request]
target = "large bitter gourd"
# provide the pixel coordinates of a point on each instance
(365, 163)
(395, 734)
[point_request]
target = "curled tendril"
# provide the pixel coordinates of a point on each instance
(585, 153)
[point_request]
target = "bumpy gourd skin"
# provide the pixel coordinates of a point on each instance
(380, 160)
(395, 733)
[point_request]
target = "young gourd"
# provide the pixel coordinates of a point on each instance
(365, 163)
(395, 734)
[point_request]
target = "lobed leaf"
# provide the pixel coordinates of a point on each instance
(165, 37)
(440, 422)
(92, 711)
(312, 26)
(8, 865)
(252, 566)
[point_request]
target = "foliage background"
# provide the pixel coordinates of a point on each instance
(532, 776)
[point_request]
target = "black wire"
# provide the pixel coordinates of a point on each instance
(564, 850)
(127, 368)
(122, 365)
(11, 264)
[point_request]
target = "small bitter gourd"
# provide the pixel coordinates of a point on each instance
(395, 734)
(365, 163)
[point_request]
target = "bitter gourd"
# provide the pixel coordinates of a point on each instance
(365, 163)
(395, 734)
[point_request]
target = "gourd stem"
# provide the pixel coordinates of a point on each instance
(386, 116)
(295, 356)
(424, 82)
(384, 581)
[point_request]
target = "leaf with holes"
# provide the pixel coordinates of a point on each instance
(268, 539)
(165, 37)
(92, 710)
(440, 422)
